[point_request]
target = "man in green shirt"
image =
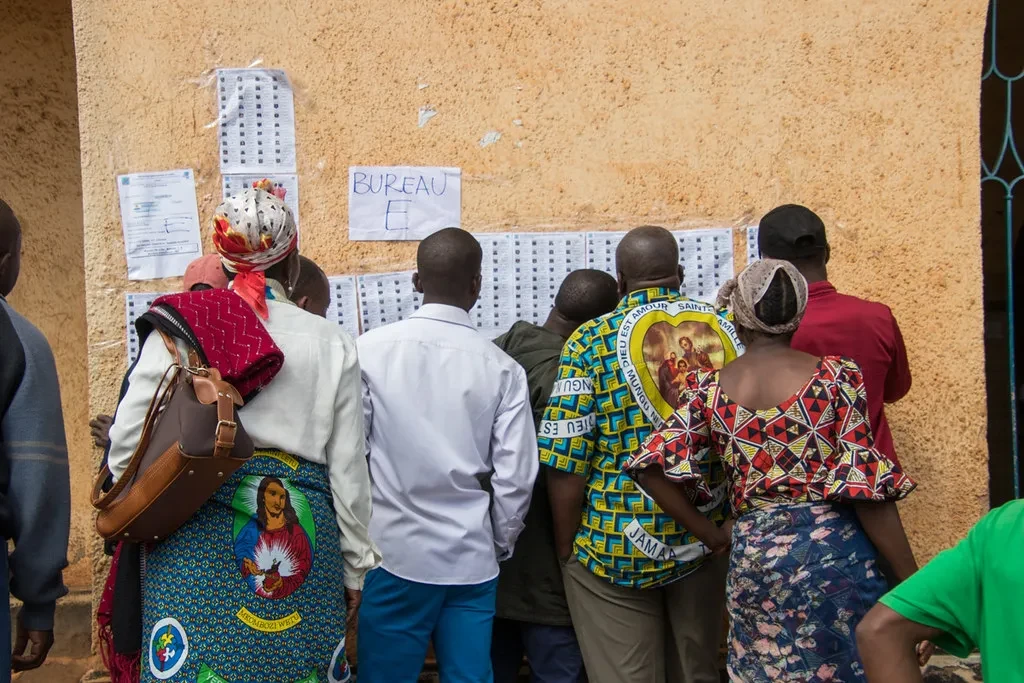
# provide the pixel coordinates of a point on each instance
(969, 596)
(532, 615)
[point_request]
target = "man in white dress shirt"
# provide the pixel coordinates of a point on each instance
(453, 457)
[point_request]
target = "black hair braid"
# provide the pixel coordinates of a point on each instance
(779, 304)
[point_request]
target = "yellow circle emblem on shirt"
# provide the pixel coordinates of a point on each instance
(661, 342)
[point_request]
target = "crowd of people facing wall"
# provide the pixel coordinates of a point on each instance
(595, 493)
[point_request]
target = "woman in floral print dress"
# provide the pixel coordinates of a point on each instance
(813, 499)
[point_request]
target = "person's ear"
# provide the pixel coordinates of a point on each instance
(478, 285)
(828, 253)
(303, 303)
(682, 274)
(416, 282)
(623, 286)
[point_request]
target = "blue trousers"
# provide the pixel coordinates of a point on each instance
(552, 651)
(399, 618)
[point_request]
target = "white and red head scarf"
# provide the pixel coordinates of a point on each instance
(252, 231)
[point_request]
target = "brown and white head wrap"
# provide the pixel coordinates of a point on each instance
(742, 294)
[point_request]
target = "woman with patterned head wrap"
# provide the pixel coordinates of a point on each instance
(254, 586)
(255, 234)
(813, 500)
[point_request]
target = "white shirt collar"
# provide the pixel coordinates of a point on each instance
(444, 313)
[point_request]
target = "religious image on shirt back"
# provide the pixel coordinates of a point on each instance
(671, 352)
(659, 343)
(274, 536)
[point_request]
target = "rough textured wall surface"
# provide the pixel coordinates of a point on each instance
(40, 178)
(631, 112)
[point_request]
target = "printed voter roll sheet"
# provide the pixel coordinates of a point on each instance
(286, 186)
(493, 313)
(257, 121)
(540, 262)
(601, 248)
(402, 202)
(706, 257)
(753, 252)
(135, 304)
(387, 298)
(160, 220)
(344, 306)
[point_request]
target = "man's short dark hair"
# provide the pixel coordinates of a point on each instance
(312, 282)
(586, 294)
(649, 252)
(448, 261)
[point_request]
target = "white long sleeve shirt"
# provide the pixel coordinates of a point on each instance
(312, 410)
(446, 411)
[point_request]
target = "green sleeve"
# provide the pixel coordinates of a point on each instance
(945, 594)
(567, 433)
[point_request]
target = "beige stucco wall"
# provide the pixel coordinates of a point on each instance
(40, 178)
(632, 112)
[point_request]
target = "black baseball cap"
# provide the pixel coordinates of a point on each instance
(790, 232)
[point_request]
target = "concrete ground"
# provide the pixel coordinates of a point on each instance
(943, 669)
(60, 670)
(71, 659)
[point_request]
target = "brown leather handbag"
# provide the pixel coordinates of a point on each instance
(192, 441)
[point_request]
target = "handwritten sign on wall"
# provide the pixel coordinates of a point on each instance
(402, 202)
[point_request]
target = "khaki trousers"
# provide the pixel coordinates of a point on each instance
(670, 634)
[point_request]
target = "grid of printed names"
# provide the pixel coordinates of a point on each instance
(521, 275)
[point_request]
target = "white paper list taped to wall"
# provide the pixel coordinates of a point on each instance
(284, 184)
(135, 304)
(160, 220)
(344, 306)
(402, 202)
(387, 298)
(541, 260)
(601, 250)
(493, 313)
(257, 121)
(753, 253)
(706, 257)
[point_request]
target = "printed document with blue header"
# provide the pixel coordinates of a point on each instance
(160, 220)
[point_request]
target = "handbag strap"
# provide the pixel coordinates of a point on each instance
(101, 500)
(209, 388)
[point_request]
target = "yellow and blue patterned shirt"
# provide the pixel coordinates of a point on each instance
(619, 378)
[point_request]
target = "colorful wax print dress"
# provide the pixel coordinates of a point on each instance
(250, 588)
(802, 571)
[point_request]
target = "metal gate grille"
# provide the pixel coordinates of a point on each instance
(1002, 172)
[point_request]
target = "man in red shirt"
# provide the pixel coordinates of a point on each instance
(839, 324)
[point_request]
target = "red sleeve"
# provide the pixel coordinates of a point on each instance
(682, 442)
(857, 470)
(898, 381)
